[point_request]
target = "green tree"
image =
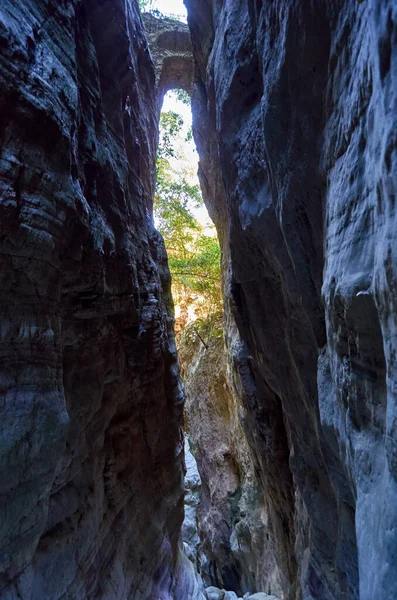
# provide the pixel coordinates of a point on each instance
(170, 126)
(193, 250)
(147, 6)
(183, 96)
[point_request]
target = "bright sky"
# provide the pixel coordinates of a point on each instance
(171, 102)
(173, 7)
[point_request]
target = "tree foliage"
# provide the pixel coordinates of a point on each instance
(183, 96)
(170, 126)
(147, 6)
(193, 249)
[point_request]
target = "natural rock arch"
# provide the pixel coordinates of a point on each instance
(171, 50)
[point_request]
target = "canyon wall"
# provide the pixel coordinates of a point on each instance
(171, 50)
(233, 550)
(91, 441)
(295, 116)
(295, 120)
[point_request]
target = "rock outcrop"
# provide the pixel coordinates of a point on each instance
(91, 442)
(294, 107)
(190, 536)
(171, 49)
(232, 519)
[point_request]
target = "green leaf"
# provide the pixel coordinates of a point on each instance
(183, 96)
(193, 251)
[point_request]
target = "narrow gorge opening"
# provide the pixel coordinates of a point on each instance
(225, 529)
(194, 261)
(181, 217)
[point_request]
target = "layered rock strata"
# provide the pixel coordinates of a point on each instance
(295, 120)
(91, 443)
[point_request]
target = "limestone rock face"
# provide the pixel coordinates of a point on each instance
(91, 444)
(232, 518)
(190, 535)
(295, 121)
(171, 49)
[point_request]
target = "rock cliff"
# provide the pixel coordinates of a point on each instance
(294, 107)
(171, 49)
(233, 552)
(295, 119)
(91, 443)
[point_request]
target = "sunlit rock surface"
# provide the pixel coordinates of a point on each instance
(232, 519)
(295, 119)
(91, 442)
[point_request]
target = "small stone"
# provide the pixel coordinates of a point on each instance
(230, 596)
(214, 593)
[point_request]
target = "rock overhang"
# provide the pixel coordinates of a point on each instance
(172, 54)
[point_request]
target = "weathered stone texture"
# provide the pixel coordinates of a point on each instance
(171, 49)
(190, 536)
(295, 119)
(232, 519)
(91, 446)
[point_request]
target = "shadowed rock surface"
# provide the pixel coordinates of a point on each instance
(294, 107)
(91, 443)
(171, 49)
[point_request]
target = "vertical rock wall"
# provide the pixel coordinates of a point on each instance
(295, 118)
(232, 517)
(171, 49)
(91, 445)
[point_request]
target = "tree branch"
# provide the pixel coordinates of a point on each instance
(201, 339)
